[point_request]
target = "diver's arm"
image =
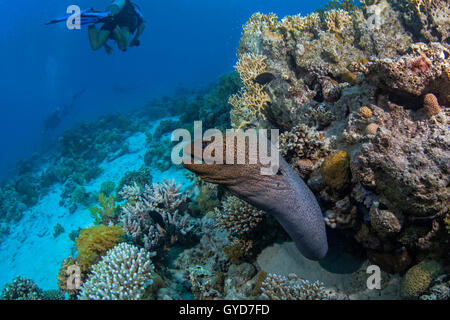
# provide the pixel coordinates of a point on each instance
(139, 31)
(117, 6)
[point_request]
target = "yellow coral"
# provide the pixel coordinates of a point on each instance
(419, 278)
(252, 97)
(92, 243)
(335, 170)
(250, 66)
(251, 101)
(107, 211)
(365, 112)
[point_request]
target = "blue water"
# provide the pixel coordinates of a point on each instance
(186, 44)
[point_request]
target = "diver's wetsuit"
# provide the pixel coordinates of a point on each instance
(130, 17)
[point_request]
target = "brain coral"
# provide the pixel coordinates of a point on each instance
(123, 274)
(93, 242)
(335, 170)
(419, 278)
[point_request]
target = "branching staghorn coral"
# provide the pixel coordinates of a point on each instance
(277, 287)
(131, 193)
(164, 194)
(152, 218)
(237, 216)
(123, 274)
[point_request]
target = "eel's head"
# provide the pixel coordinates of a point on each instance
(218, 173)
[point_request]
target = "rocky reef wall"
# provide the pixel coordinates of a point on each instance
(361, 94)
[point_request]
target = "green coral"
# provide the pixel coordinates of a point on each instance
(107, 211)
(419, 278)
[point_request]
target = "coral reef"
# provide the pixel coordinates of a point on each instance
(276, 287)
(122, 274)
(372, 81)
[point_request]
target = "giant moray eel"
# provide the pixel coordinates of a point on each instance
(283, 195)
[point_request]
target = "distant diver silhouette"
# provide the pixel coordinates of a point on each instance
(55, 118)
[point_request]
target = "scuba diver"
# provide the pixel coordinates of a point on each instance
(124, 21)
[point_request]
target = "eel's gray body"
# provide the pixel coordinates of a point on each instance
(283, 195)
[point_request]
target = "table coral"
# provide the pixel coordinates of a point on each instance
(122, 274)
